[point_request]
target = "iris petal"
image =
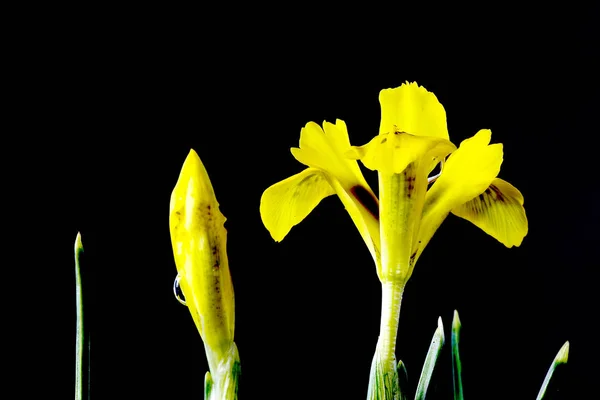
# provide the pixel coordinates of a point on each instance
(467, 173)
(324, 148)
(288, 202)
(411, 108)
(391, 153)
(499, 212)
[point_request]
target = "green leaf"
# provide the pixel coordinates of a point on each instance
(402, 380)
(561, 358)
(208, 383)
(432, 355)
(79, 342)
(456, 365)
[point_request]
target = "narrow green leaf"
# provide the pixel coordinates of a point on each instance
(456, 365)
(402, 380)
(236, 372)
(561, 358)
(79, 342)
(432, 355)
(208, 383)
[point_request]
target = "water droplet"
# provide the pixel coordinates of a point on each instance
(177, 291)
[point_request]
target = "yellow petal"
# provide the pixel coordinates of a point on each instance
(469, 170)
(199, 242)
(499, 212)
(288, 202)
(467, 173)
(325, 148)
(363, 207)
(390, 153)
(411, 108)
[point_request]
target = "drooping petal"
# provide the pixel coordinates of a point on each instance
(499, 212)
(467, 173)
(325, 149)
(411, 108)
(199, 242)
(363, 207)
(288, 202)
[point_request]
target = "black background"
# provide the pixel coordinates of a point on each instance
(118, 101)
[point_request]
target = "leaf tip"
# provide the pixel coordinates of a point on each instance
(441, 329)
(456, 324)
(78, 243)
(563, 354)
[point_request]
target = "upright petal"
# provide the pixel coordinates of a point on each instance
(288, 202)
(411, 108)
(499, 212)
(325, 148)
(467, 173)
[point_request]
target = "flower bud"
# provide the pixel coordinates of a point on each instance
(199, 247)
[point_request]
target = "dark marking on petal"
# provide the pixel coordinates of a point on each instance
(410, 183)
(498, 194)
(307, 180)
(412, 257)
(384, 140)
(367, 199)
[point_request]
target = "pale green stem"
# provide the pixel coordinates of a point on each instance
(222, 381)
(79, 342)
(391, 300)
(383, 379)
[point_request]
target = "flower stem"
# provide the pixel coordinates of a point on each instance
(221, 383)
(383, 379)
(391, 300)
(79, 338)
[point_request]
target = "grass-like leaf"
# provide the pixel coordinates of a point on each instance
(561, 358)
(79, 342)
(208, 383)
(402, 380)
(437, 342)
(456, 365)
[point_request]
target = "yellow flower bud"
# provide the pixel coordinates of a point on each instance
(199, 246)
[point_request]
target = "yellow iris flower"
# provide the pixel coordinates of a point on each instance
(199, 242)
(413, 139)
